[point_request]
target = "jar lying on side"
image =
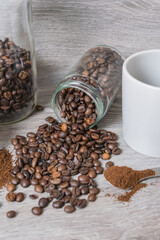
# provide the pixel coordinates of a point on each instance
(85, 94)
(17, 61)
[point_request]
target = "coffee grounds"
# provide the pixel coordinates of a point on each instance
(124, 177)
(127, 196)
(5, 167)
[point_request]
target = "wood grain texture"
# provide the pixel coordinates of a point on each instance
(63, 31)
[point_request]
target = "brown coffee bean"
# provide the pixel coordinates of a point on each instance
(116, 151)
(82, 203)
(25, 183)
(64, 127)
(76, 192)
(37, 211)
(84, 190)
(99, 170)
(15, 181)
(19, 197)
(69, 209)
(94, 190)
(34, 181)
(109, 164)
(38, 189)
(74, 183)
(33, 196)
(105, 156)
(11, 197)
(73, 201)
(43, 182)
(91, 197)
(92, 174)
(20, 175)
(58, 204)
(83, 178)
(94, 156)
(43, 202)
(11, 214)
(11, 187)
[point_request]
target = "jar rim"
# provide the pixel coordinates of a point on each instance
(83, 87)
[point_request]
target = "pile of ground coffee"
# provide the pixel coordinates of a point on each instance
(5, 167)
(124, 177)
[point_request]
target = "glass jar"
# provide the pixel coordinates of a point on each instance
(86, 93)
(18, 74)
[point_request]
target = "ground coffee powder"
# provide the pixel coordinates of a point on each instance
(5, 167)
(124, 177)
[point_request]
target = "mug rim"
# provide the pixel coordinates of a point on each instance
(138, 81)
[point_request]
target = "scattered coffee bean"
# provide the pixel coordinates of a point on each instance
(69, 209)
(94, 191)
(38, 189)
(109, 164)
(11, 197)
(33, 196)
(25, 183)
(43, 202)
(39, 108)
(81, 203)
(15, 181)
(58, 204)
(11, 214)
(11, 187)
(105, 156)
(19, 197)
(37, 211)
(91, 197)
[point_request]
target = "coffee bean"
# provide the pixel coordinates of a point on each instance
(83, 179)
(74, 183)
(91, 197)
(64, 127)
(94, 191)
(99, 170)
(15, 181)
(39, 108)
(43, 202)
(37, 211)
(11, 187)
(11, 214)
(69, 209)
(58, 204)
(109, 164)
(116, 151)
(33, 196)
(92, 174)
(76, 192)
(105, 156)
(84, 190)
(34, 181)
(19, 197)
(73, 201)
(38, 189)
(82, 203)
(11, 197)
(25, 183)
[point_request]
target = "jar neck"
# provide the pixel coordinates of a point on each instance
(90, 91)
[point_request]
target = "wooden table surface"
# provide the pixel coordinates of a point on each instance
(63, 31)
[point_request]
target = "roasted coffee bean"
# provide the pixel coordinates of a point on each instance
(11, 214)
(25, 183)
(34, 181)
(39, 108)
(19, 197)
(69, 209)
(76, 192)
(116, 151)
(92, 174)
(91, 197)
(38, 189)
(82, 203)
(94, 191)
(11, 187)
(66, 199)
(74, 183)
(15, 181)
(73, 201)
(37, 211)
(11, 197)
(105, 156)
(33, 196)
(84, 190)
(99, 170)
(58, 204)
(83, 178)
(43, 202)
(109, 164)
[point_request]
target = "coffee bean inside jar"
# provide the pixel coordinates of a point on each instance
(17, 82)
(86, 94)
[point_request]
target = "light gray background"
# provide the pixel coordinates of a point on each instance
(63, 31)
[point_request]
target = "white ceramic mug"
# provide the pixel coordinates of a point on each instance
(141, 102)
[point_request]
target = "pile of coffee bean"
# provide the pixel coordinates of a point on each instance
(63, 160)
(16, 84)
(101, 70)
